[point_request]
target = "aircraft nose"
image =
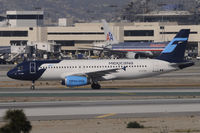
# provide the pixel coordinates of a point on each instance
(10, 74)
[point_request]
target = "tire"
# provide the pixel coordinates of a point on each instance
(32, 87)
(96, 86)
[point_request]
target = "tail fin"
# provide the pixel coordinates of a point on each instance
(174, 52)
(110, 38)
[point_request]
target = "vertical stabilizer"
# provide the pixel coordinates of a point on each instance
(110, 38)
(174, 52)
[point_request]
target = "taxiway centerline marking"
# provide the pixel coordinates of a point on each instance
(106, 115)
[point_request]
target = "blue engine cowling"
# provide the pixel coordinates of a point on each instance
(75, 81)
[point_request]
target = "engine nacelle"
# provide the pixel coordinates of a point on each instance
(132, 55)
(75, 81)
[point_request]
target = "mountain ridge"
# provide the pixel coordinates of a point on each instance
(77, 9)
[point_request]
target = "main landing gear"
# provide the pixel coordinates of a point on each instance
(96, 86)
(33, 85)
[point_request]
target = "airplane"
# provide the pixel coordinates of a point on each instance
(130, 50)
(73, 73)
(4, 23)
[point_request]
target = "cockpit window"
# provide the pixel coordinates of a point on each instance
(20, 68)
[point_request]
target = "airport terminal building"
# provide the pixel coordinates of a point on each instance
(29, 27)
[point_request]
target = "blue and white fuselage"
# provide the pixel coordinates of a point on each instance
(83, 72)
(119, 69)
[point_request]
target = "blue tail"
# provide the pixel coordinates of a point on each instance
(174, 52)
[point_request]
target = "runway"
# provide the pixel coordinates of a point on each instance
(103, 108)
(87, 92)
(122, 103)
(142, 105)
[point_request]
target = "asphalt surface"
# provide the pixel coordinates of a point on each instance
(87, 92)
(104, 109)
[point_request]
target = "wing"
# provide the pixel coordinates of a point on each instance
(99, 75)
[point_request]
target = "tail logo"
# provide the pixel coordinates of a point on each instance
(109, 37)
(177, 41)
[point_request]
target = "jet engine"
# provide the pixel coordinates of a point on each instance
(75, 81)
(132, 55)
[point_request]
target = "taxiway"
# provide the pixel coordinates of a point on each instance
(103, 108)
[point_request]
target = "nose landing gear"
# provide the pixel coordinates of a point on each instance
(33, 85)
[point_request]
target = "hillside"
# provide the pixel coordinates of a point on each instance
(78, 9)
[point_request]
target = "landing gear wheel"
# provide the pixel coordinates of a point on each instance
(96, 86)
(33, 85)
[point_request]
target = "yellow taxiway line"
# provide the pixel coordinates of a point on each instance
(106, 115)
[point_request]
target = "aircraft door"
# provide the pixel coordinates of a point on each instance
(32, 67)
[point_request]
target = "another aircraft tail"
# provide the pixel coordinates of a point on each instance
(174, 52)
(110, 38)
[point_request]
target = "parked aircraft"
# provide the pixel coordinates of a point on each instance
(4, 23)
(83, 72)
(128, 50)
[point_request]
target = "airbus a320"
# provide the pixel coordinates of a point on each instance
(83, 72)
